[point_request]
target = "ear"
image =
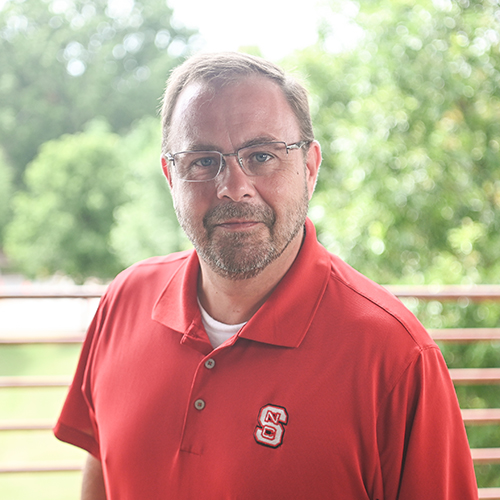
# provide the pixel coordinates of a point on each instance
(166, 171)
(312, 166)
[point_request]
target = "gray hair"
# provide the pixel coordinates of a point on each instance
(226, 67)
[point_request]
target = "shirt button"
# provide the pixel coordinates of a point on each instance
(209, 363)
(199, 404)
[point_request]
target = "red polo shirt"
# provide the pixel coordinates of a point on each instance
(333, 390)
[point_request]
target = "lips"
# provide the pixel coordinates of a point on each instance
(239, 225)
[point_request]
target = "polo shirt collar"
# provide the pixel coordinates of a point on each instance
(284, 318)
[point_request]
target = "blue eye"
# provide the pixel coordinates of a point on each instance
(262, 157)
(205, 162)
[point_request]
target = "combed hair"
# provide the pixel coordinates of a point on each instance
(224, 68)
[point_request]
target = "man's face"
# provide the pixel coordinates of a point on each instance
(240, 224)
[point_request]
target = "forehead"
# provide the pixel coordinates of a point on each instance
(228, 116)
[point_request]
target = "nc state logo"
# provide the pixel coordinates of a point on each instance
(269, 430)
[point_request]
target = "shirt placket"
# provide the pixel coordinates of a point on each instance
(198, 407)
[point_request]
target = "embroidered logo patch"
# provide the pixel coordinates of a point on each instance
(270, 426)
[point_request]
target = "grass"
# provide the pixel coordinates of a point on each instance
(47, 486)
(36, 447)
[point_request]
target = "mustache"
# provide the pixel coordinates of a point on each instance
(241, 211)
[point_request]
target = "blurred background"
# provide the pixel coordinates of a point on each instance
(405, 98)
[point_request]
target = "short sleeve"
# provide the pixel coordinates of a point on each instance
(76, 424)
(423, 445)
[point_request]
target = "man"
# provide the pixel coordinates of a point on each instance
(258, 365)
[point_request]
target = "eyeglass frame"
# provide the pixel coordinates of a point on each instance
(222, 164)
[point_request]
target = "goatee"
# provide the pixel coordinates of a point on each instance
(241, 255)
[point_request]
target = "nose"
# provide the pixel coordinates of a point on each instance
(233, 183)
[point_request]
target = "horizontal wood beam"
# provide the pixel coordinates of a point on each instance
(35, 381)
(446, 292)
(475, 376)
(444, 335)
(481, 416)
(74, 337)
(26, 425)
(489, 493)
(479, 456)
(51, 292)
(485, 455)
(461, 376)
(476, 416)
(424, 292)
(465, 334)
(11, 339)
(67, 466)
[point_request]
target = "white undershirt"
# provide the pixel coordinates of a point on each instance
(217, 332)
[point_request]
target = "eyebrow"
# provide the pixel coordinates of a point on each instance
(262, 139)
(200, 147)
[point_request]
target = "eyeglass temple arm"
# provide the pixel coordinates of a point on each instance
(297, 145)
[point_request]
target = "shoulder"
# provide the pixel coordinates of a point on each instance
(151, 274)
(166, 263)
(373, 304)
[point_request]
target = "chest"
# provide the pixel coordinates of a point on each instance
(248, 417)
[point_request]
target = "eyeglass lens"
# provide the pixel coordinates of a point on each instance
(258, 160)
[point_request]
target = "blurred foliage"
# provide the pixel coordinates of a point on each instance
(6, 191)
(95, 203)
(146, 225)
(65, 61)
(409, 190)
(63, 219)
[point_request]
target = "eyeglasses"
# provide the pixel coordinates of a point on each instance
(259, 160)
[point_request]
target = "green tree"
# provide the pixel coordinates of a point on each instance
(6, 191)
(146, 225)
(408, 120)
(64, 63)
(62, 221)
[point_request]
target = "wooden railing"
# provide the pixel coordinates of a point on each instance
(460, 376)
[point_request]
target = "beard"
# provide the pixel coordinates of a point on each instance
(240, 255)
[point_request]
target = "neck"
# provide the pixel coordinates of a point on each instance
(236, 301)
